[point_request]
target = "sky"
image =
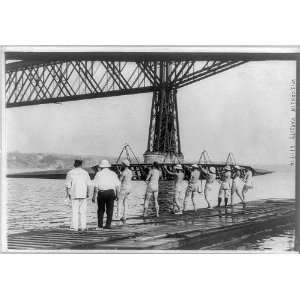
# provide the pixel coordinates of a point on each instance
(245, 110)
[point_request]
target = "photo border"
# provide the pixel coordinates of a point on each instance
(260, 52)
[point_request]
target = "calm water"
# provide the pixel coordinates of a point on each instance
(39, 203)
(282, 240)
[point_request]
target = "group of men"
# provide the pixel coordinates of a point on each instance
(107, 187)
(231, 184)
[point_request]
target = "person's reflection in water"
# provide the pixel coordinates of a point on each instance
(220, 213)
(230, 214)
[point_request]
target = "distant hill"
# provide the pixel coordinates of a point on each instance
(49, 161)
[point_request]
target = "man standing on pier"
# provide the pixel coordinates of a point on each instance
(152, 188)
(125, 189)
(106, 189)
(77, 190)
(194, 187)
(237, 185)
(225, 186)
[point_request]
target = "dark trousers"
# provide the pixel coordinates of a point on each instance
(105, 201)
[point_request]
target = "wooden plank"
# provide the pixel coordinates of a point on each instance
(166, 232)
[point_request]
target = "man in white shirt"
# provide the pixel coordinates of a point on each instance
(106, 189)
(77, 190)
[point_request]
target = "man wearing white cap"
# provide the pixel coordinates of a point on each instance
(180, 187)
(193, 187)
(210, 179)
(225, 187)
(106, 189)
(125, 189)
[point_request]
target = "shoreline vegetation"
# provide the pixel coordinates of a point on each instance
(49, 161)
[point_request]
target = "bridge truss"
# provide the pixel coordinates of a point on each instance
(60, 81)
(42, 78)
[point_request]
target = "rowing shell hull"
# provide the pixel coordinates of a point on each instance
(140, 171)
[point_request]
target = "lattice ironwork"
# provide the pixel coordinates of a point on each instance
(39, 80)
(164, 127)
(73, 80)
(50, 82)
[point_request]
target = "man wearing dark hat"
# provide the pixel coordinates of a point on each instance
(106, 190)
(77, 190)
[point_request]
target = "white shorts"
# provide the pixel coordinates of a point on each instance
(194, 187)
(224, 193)
(247, 187)
(180, 187)
(179, 194)
(125, 191)
(152, 188)
(208, 187)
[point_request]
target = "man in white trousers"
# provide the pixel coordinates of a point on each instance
(77, 190)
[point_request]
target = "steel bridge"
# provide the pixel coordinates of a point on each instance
(34, 78)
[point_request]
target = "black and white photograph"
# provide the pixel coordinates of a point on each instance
(149, 150)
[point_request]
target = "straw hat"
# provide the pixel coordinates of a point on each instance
(195, 166)
(227, 168)
(104, 164)
(126, 162)
(237, 167)
(178, 167)
(212, 170)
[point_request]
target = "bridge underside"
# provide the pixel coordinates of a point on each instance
(48, 77)
(34, 78)
(41, 78)
(71, 80)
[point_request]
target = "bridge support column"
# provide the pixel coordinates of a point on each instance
(164, 139)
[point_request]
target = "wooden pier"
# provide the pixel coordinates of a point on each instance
(207, 229)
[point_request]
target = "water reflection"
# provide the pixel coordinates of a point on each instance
(281, 240)
(39, 203)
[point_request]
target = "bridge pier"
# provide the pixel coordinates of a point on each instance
(165, 198)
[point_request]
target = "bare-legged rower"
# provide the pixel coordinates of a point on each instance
(237, 185)
(248, 183)
(225, 187)
(210, 179)
(152, 188)
(180, 188)
(193, 187)
(125, 189)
